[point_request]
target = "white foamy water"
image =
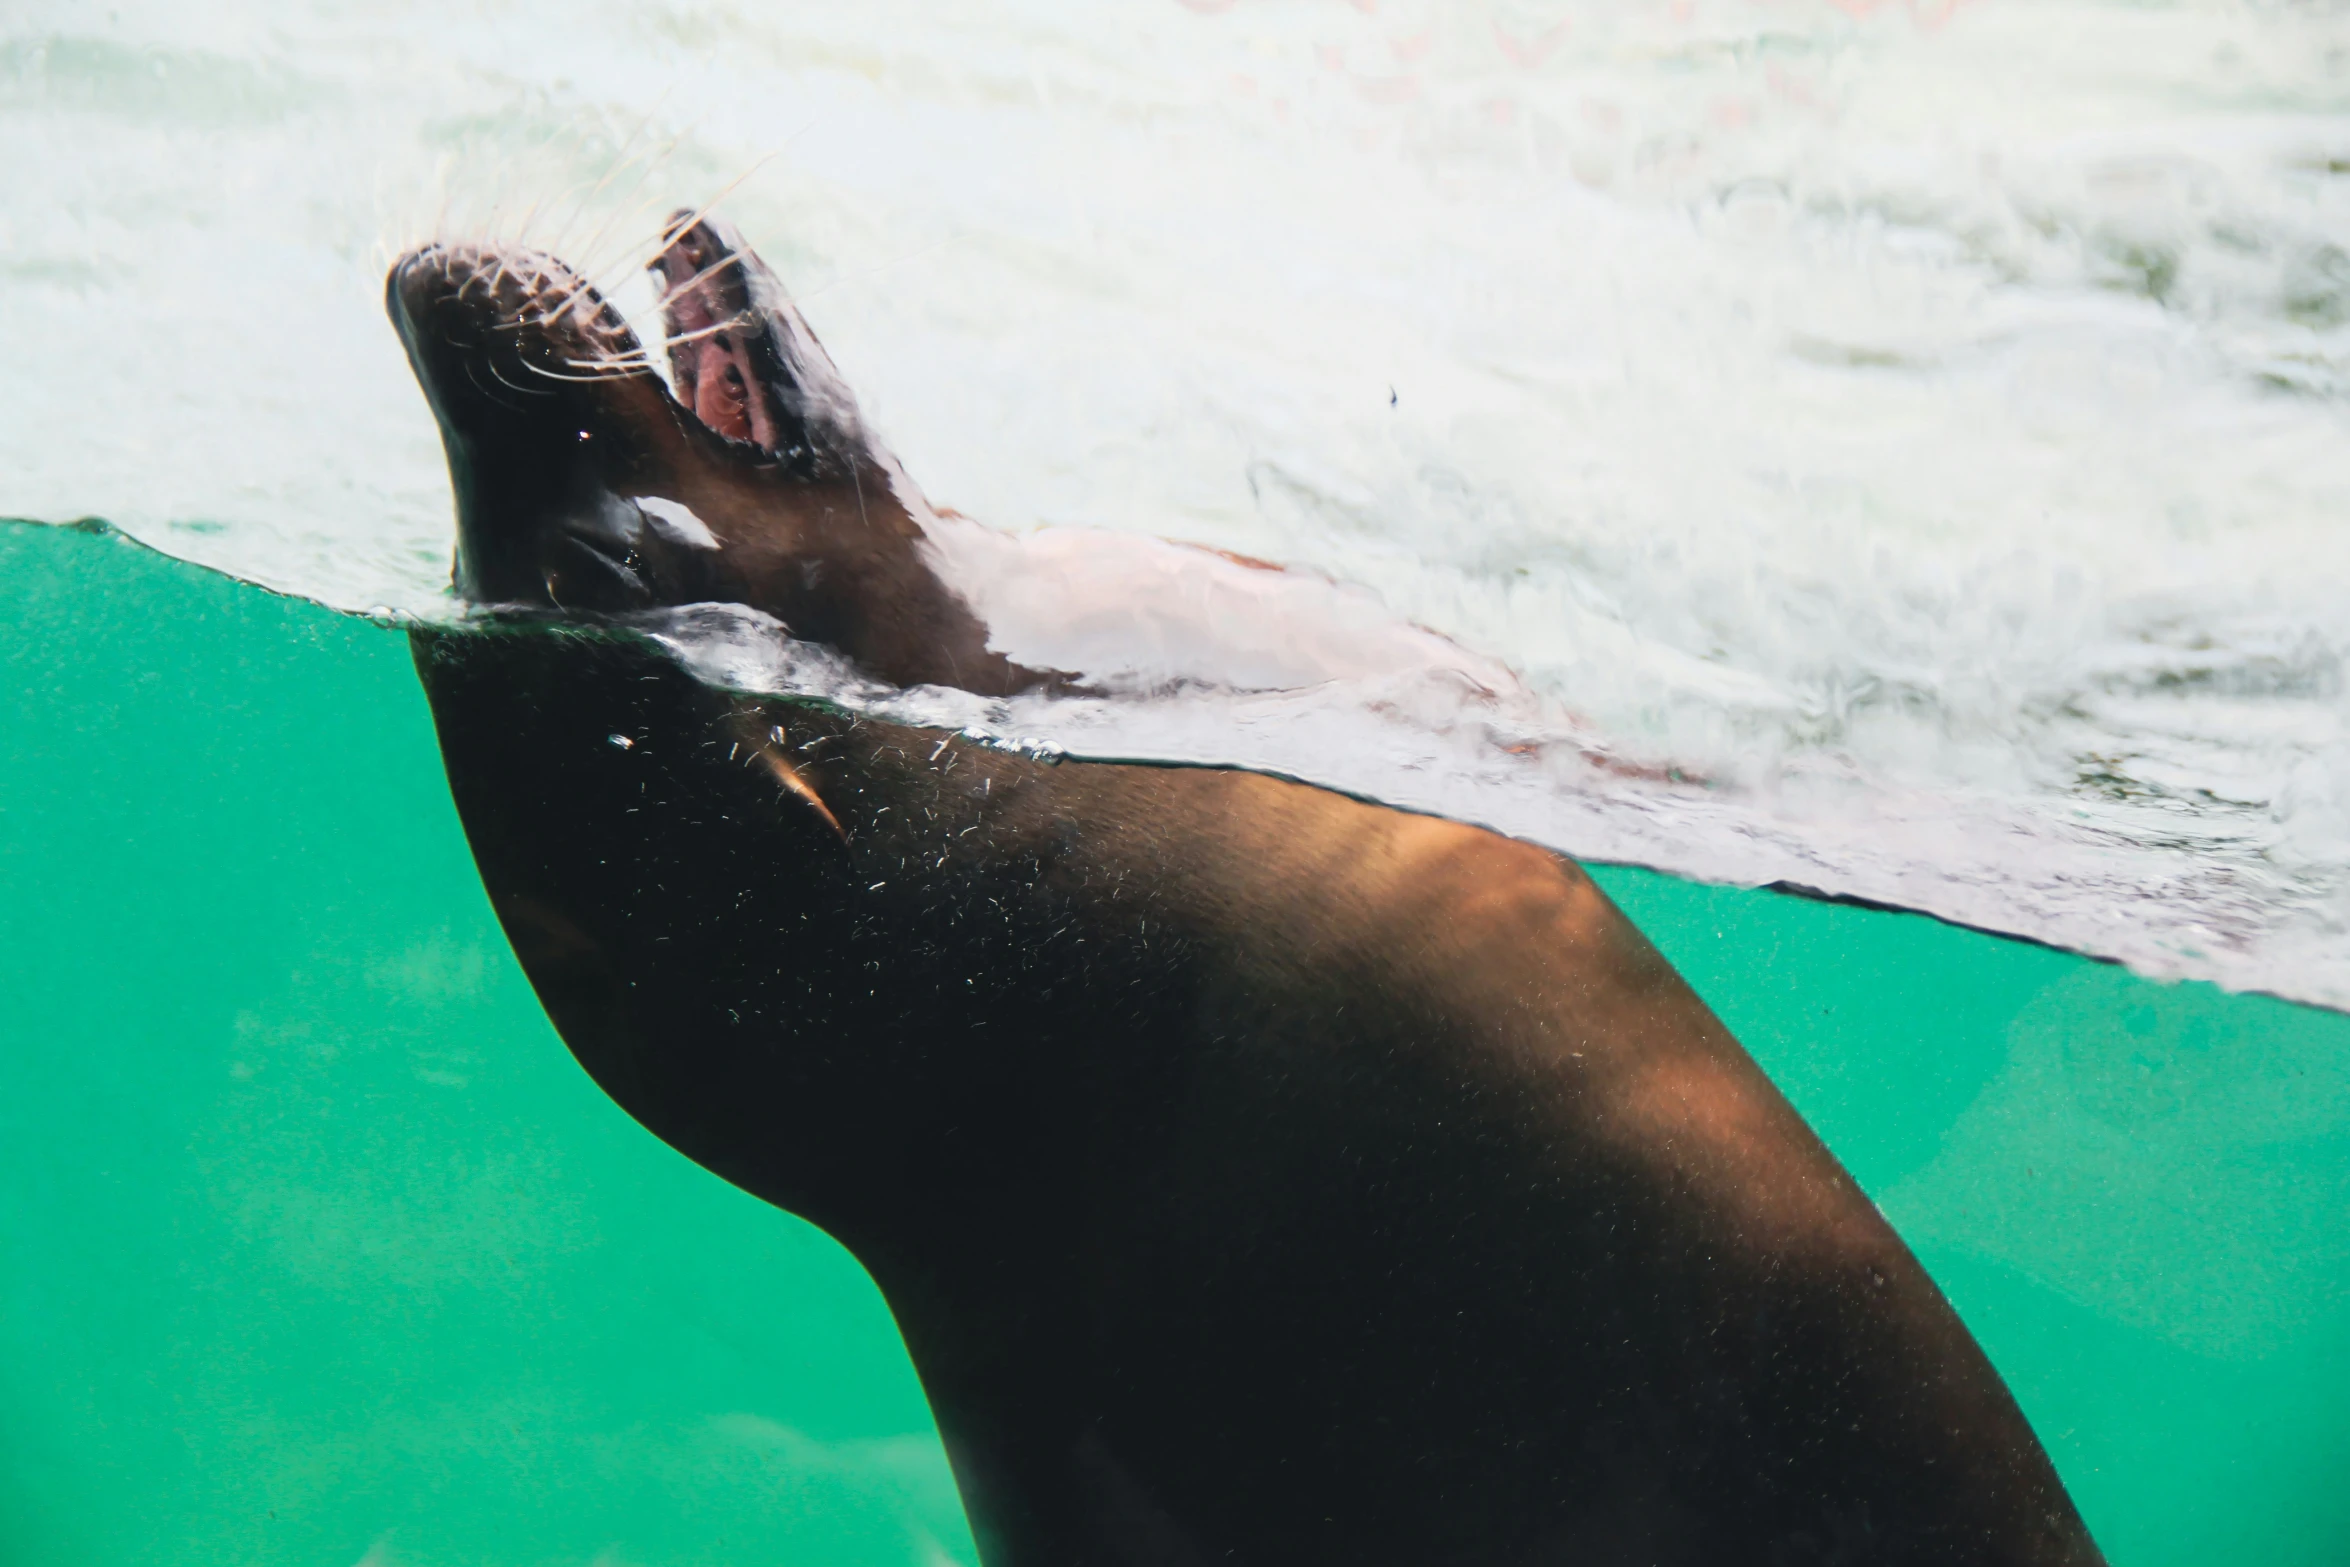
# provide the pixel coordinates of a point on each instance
(1904, 451)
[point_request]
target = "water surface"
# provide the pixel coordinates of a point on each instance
(1905, 442)
(317, 1246)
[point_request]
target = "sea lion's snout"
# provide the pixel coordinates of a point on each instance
(557, 431)
(499, 338)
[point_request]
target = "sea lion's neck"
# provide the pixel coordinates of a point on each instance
(857, 572)
(813, 1055)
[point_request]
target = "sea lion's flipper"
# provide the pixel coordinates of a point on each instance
(743, 360)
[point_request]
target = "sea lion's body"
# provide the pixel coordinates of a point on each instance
(1257, 1175)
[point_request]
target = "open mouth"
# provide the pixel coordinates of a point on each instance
(561, 433)
(513, 327)
(727, 354)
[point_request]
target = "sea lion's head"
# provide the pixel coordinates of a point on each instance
(585, 484)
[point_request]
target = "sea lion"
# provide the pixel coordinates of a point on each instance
(1257, 1174)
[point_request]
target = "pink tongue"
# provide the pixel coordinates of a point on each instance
(714, 375)
(721, 398)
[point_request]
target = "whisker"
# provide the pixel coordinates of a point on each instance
(571, 296)
(599, 269)
(491, 365)
(668, 229)
(710, 271)
(548, 160)
(643, 174)
(616, 362)
(697, 335)
(620, 160)
(622, 373)
(627, 361)
(529, 216)
(724, 191)
(587, 187)
(441, 176)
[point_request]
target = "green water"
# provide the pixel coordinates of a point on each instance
(316, 1248)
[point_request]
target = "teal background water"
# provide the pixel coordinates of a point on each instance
(316, 1247)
